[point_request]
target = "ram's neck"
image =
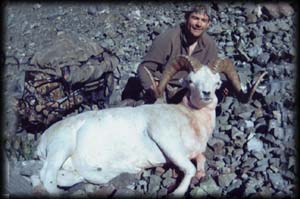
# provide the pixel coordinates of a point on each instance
(208, 107)
(203, 117)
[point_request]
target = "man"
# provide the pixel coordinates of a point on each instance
(188, 38)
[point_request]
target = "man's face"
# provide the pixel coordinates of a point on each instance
(197, 24)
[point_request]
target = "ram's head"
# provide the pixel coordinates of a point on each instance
(202, 85)
(204, 80)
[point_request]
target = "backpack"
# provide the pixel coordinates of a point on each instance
(63, 76)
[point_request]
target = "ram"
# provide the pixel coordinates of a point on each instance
(96, 146)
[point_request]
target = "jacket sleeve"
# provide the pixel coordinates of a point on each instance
(212, 51)
(156, 57)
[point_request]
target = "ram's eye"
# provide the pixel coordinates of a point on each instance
(190, 81)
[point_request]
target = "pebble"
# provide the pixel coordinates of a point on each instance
(208, 187)
(255, 144)
(224, 180)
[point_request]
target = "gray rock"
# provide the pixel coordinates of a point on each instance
(246, 124)
(217, 145)
(224, 180)
(223, 136)
(257, 154)
(168, 179)
(271, 10)
(249, 163)
(255, 144)
(274, 161)
(223, 119)
(168, 174)
(91, 188)
(208, 187)
(251, 18)
(271, 27)
(226, 105)
(125, 192)
(79, 193)
(30, 167)
(257, 104)
(92, 10)
(124, 180)
(17, 184)
(289, 175)
(283, 25)
(279, 133)
(142, 186)
(276, 180)
(236, 184)
(104, 191)
(292, 162)
(154, 185)
(162, 192)
(229, 50)
(242, 109)
(265, 192)
(270, 138)
(219, 164)
(254, 51)
(273, 124)
(263, 59)
(252, 185)
(257, 41)
(78, 189)
(261, 165)
(146, 173)
(225, 127)
(168, 182)
(216, 29)
(286, 9)
(238, 137)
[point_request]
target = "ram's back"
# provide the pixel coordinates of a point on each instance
(124, 135)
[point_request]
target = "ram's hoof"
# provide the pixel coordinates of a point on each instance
(39, 190)
(200, 174)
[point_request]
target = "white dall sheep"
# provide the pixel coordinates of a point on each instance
(96, 146)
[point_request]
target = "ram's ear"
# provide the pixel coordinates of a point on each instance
(184, 81)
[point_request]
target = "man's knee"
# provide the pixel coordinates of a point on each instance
(133, 89)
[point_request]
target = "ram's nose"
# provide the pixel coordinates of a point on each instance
(206, 93)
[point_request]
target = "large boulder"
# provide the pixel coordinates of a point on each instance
(61, 76)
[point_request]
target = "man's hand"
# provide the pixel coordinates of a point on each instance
(154, 85)
(225, 92)
(214, 65)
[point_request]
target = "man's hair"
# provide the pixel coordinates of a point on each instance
(202, 9)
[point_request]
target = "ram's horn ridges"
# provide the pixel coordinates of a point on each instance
(226, 66)
(179, 63)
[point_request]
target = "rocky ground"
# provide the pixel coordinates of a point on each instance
(252, 151)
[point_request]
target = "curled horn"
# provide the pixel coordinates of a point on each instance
(179, 63)
(226, 66)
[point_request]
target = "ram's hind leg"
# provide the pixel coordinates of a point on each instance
(66, 178)
(91, 173)
(55, 159)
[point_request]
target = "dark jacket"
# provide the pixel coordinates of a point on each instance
(169, 45)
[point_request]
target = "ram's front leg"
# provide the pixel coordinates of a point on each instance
(200, 161)
(173, 150)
